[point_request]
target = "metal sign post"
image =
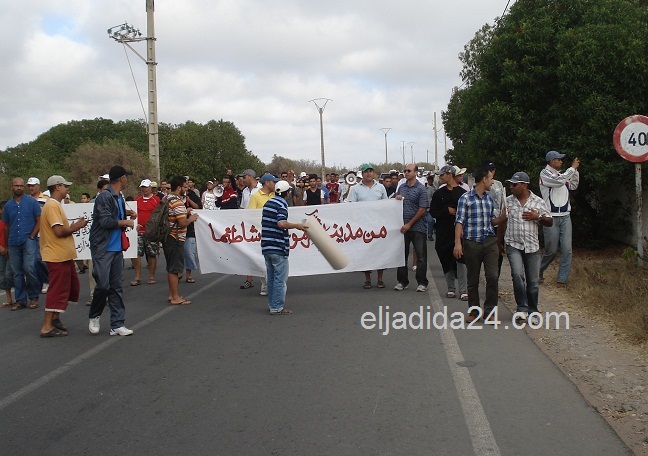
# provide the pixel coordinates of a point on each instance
(631, 142)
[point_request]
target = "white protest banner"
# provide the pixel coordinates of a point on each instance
(229, 241)
(82, 237)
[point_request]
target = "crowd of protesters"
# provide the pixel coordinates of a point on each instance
(470, 225)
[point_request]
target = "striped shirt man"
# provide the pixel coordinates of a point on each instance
(274, 240)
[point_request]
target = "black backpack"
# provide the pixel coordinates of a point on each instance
(158, 227)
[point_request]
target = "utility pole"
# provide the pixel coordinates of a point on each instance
(436, 144)
(385, 130)
(125, 34)
(403, 152)
(320, 109)
(411, 144)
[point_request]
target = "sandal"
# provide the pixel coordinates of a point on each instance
(190, 280)
(367, 285)
(58, 325)
(381, 284)
(54, 333)
(151, 281)
(180, 303)
(247, 284)
(18, 305)
(281, 312)
(464, 296)
(451, 294)
(6, 304)
(33, 305)
(136, 282)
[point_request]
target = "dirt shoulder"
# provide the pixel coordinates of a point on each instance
(610, 372)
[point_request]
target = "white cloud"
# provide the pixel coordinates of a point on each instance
(383, 63)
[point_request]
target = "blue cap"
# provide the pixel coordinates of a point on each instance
(446, 169)
(519, 177)
(552, 154)
(269, 177)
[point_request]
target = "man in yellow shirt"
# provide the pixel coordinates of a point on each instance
(58, 252)
(257, 200)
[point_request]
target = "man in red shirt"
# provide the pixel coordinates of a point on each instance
(146, 203)
(333, 188)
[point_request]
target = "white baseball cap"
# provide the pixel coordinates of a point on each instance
(145, 183)
(33, 181)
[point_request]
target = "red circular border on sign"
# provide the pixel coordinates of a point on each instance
(617, 138)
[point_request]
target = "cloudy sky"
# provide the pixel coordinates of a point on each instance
(383, 63)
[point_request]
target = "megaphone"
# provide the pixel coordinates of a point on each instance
(351, 179)
(218, 191)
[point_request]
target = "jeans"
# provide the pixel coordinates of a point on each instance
(41, 268)
(460, 275)
(108, 271)
(475, 255)
(277, 273)
(525, 267)
(430, 224)
(23, 263)
(6, 274)
(418, 239)
(190, 254)
(559, 233)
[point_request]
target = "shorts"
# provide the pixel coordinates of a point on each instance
(152, 249)
(64, 286)
(174, 255)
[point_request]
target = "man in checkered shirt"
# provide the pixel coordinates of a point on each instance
(526, 211)
(475, 239)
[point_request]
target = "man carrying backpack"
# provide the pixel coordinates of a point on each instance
(179, 218)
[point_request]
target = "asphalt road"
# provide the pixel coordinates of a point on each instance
(222, 377)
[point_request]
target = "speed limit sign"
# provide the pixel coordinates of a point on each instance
(631, 138)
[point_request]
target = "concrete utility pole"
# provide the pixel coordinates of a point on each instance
(385, 130)
(411, 144)
(436, 144)
(403, 152)
(320, 109)
(126, 34)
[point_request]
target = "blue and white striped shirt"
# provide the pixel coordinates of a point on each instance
(475, 213)
(274, 240)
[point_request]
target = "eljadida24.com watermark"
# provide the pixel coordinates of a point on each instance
(383, 319)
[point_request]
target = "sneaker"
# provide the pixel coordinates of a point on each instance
(534, 320)
(400, 287)
(121, 331)
(264, 290)
(94, 325)
(421, 288)
(521, 317)
(247, 284)
(413, 268)
(45, 288)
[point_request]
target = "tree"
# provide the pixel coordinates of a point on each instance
(554, 75)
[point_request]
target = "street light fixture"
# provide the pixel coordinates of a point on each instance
(125, 34)
(317, 102)
(385, 130)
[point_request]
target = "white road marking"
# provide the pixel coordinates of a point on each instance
(481, 434)
(42, 381)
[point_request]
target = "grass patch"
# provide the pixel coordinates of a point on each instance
(608, 283)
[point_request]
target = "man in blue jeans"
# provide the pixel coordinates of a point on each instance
(525, 212)
(22, 223)
(275, 246)
(555, 187)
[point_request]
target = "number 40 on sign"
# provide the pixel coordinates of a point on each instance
(631, 138)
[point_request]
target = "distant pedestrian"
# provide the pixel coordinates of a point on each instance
(108, 223)
(555, 187)
(146, 201)
(58, 252)
(6, 273)
(275, 247)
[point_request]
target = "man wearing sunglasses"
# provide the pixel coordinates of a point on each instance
(414, 229)
(525, 212)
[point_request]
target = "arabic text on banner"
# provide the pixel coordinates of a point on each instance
(368, 233)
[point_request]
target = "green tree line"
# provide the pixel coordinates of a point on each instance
(556, 75)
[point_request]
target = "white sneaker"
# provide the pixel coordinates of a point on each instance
(400, 287)
(421, 288)
(94, 325)
(121, 331)
(264, 289)
(45, 288)
(413, 268)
